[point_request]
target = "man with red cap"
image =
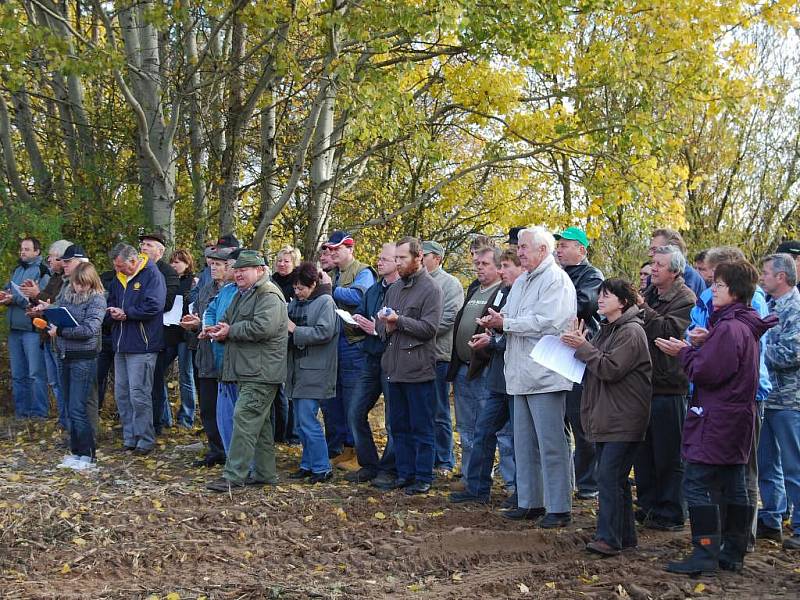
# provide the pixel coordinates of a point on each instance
(350, 280)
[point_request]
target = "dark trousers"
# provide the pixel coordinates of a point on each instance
(444, 457)
(159, 393)
(615, 522)
(78, 380)
(369, 387)
(411, 420)
(207, 395)
(105, 362)
(709, 484)
(583, 457)
(492, 417)
(658, 467)
(282, 418)
(334, 410)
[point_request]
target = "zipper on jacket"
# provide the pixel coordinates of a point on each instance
(144, 336)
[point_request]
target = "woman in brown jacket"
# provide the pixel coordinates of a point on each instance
(615, 407)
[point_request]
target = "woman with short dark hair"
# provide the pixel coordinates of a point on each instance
(615, 407)
(311, 376)
(719, 427)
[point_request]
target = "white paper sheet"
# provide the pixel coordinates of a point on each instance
(173, 316)
(346, 316)
(552, 353)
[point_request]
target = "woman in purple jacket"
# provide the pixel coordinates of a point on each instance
(719, 426)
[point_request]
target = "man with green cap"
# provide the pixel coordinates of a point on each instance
(571, 251)
(254, 330)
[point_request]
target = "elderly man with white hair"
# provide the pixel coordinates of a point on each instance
(541, 302)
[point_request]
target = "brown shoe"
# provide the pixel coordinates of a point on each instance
(458, 485)
(349, 465)
(602, 548)
(347, 454)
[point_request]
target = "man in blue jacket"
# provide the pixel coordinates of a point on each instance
(664, 237)
(135, 307)
(28, 372)
(371, 382)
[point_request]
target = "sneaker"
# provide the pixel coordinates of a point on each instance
(69, 461)
(792, 543)
(85, 463)
(586, 495)
(418, 487)
(555, 520)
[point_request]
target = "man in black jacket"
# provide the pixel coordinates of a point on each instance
(154, 245)
(571, 253)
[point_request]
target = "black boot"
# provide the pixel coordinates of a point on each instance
(705, 539)
(735, 535)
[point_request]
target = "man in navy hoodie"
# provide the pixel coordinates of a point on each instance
(135, 307)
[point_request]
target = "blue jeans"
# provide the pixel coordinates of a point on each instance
(78, 380)
(779, 467)
(444, 457)
(505, 446)
(471, 398)
(615, 522)
(186, 412)
(51, 363)
(227, 394)
(371, 384)
(315, 448)
(334, 410)
(491, 419)
(411, 418)
(28, 374)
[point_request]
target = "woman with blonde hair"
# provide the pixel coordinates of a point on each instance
(78, 348)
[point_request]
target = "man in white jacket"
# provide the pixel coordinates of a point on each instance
(541, 302)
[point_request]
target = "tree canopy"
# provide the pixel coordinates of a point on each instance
(280, 120)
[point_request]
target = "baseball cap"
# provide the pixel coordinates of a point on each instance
(339, 238)
(789, 247)
(574, 233)
(74, 251)
(249, 258)
(431, 247)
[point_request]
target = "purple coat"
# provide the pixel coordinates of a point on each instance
(725, 375)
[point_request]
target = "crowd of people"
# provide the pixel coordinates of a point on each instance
(692, 376)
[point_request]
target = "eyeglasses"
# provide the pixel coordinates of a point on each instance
(719, 285)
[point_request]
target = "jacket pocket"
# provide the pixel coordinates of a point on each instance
(143, 333)
(693, 428)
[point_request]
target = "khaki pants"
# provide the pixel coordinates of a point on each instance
(252, 441)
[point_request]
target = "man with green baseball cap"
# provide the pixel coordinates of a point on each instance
(571, 255)
(255, 330)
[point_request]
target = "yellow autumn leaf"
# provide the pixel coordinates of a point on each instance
(371, 500)
(172, 596)
(339, 512)
(78, 541)
(380, 516)
(551, 585)
(699, 588)
(64, 514)
(15, 477)
(65, 569)
(248, 555)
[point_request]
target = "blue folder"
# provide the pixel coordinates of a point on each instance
(60, 317)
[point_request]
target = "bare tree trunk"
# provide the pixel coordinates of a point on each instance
(321, 171)
(9, 158)
(43, 179)
(270, 191)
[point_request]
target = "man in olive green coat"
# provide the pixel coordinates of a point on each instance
(254, 330)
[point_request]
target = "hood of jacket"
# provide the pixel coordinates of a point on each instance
(747, 315)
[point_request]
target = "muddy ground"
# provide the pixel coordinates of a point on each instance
(146, 526)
